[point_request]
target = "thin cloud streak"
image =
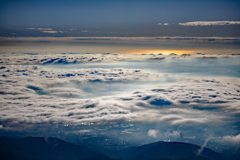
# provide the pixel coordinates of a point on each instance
(165, 24)
(43, 29)
(52, 31)
(210, 23)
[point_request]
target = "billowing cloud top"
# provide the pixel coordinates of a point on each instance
(209, 23)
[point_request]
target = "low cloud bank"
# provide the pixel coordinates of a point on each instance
(74, 58)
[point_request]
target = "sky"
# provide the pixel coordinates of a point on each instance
(119, 18)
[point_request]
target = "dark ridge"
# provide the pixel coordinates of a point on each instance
(172, 151)
(38, 148)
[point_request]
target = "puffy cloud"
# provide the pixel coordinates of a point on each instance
(153, 133)
(232, 139)
(209, 23)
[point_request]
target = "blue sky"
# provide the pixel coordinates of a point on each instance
(117, 17)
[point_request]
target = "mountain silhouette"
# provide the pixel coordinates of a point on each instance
(38, 148)
(172, 151)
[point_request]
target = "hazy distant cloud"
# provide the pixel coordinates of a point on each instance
(45, 30)
(42, 29)
(85, 31)
(153, 133)
(52, 31)
(174, 134)
(209, 23)
(98, 57)
(165, 24)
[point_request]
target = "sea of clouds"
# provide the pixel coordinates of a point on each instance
(35, 94)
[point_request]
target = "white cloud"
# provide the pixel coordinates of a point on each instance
(209, 23)
(153, 133)
(58, 91)
(233, 139)
(171, 117)
(85, 31)
(52, 31)
(190, 121)
(45, 30)
(76, 58)
(165, 24)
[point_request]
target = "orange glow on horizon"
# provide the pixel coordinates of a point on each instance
(164, 52)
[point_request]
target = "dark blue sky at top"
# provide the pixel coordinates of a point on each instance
(123, 17)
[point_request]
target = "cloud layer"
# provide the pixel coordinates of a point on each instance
(37, 96)
(73, 58)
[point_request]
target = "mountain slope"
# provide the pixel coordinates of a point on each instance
(37, 148)
(171, 150)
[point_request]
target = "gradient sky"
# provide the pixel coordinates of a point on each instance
(117, 17)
